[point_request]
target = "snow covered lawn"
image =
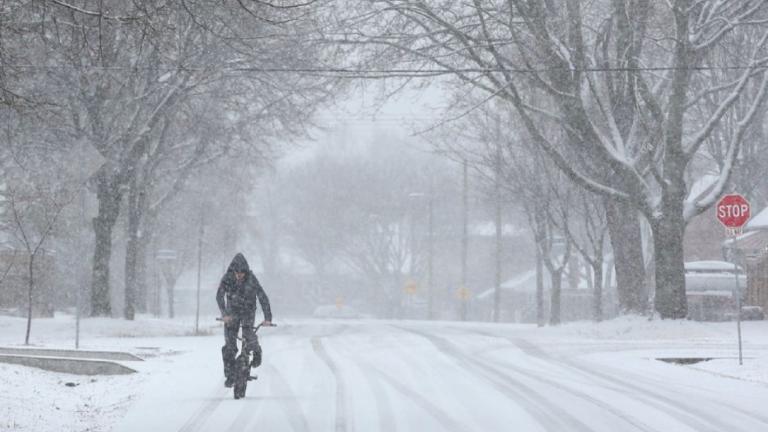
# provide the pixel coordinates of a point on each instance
(385, 375)
(37, 400)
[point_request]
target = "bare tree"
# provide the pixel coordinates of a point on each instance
(132, 74)
(625, 102)
(588, 231)
(34, 214)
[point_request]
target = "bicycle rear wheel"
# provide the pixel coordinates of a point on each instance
(241, 377)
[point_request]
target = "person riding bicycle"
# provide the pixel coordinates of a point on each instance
(237, 294)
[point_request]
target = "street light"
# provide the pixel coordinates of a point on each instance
(413, 196)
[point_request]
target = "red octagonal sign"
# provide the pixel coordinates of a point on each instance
(733, 210)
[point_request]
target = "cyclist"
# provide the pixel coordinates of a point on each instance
(237, 294)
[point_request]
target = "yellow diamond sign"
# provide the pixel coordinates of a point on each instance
(411, 287)
(463, 293)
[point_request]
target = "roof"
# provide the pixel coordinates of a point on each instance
(702, 185)
(759, 221)
(521, 282)
(526, 281)
(711, 293)
(752, 241)
(709, 266)
(488, 229)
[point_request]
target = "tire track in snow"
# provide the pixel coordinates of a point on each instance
(386, 414)
(742, 411)
(291, 406)
(279, 386)
(536, 376)
(200, 417)
(197, 420)
(279, 389)
(246, 414)
(443, 418)
(689, 415)
(375, 377)
(383, 406)
(550, 416)
(341, 424)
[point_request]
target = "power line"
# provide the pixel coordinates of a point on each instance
(344, 71)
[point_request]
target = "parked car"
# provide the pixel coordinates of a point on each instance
(710, 288)
(338, 311)
(752, 313)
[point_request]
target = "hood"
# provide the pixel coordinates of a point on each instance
(238, 264)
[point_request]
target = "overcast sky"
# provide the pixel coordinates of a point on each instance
(351, 123)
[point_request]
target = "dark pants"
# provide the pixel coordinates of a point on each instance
(229, 350)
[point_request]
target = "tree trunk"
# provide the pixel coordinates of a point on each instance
(145, 298)
(626, 240)
(171, 288)
(109, 196)
(669, 227)
(132, 249)
(555, 295)
(158, 283)
(398, 296)
(131, 253)
(142, 286)
(539, 289)
(29, 299)
(597, 299)
(668, 230)
(170, 281)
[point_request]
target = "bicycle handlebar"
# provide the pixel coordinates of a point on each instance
(252, 327)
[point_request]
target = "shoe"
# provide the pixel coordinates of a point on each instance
(229, 382)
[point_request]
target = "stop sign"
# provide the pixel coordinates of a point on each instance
(732, 210)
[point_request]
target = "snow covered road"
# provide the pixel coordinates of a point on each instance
(411, 376)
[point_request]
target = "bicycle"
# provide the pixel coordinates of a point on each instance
(243, 361)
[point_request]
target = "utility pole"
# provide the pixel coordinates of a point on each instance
(199, 266)
(83, 222)
(412, 235)
(464, 241)
(410, 287)
(430, 253)
(539, 283)
(497, 197)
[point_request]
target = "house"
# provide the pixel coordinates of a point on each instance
(518, 295)
(752, 247)
(706, 241)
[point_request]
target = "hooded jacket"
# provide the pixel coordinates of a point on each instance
(240, 298)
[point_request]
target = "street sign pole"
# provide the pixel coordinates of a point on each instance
(733, 211)
(738, 292)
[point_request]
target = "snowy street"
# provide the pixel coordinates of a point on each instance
(369, 376)
(349, 375)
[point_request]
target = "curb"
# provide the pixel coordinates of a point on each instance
(69, 365)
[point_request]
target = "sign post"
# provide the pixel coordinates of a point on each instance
(410, 289)
(166, 257)
(733, 211)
